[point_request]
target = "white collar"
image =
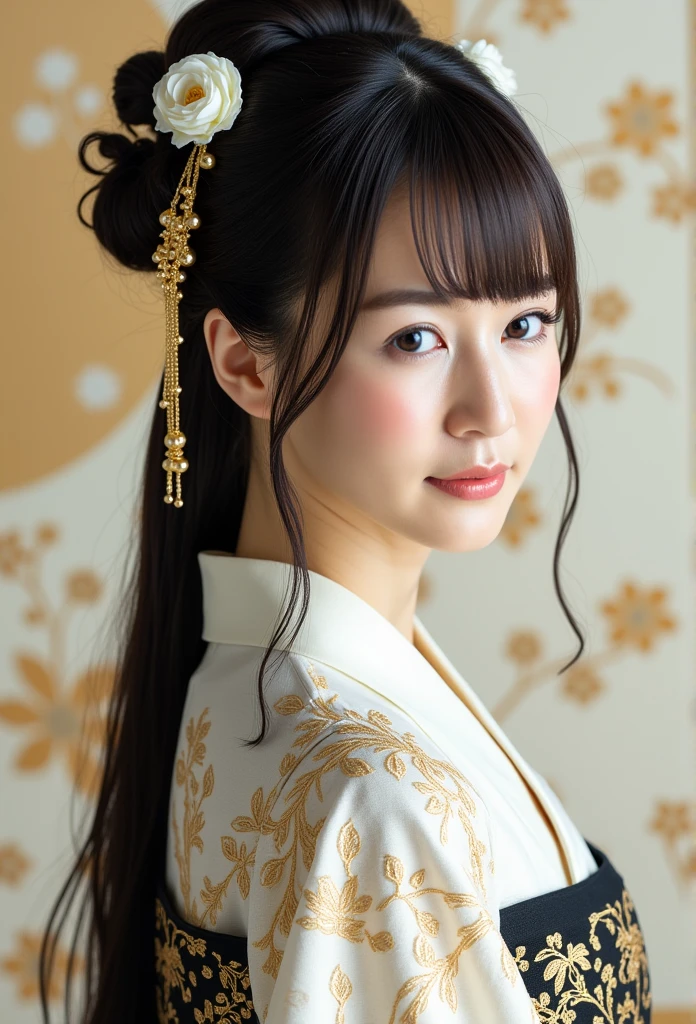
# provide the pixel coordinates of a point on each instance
(241, 601)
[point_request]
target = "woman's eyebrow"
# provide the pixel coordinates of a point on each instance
(423, 296)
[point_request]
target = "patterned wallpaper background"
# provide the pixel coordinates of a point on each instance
(610, 88)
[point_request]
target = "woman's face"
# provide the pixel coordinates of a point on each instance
(425, 390)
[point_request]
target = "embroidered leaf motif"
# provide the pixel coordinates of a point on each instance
(381, 942)
(378, 718)
(427, 922)
(424, 952)
(348, 844)
(460, 899)
(355, 766)
(243, 824)
(434, 805)
(194, 819)
(416, 879)
(341, 989)
(272, 871)
(290, 705)
(393, 869)
(208, 781)
(395, 766)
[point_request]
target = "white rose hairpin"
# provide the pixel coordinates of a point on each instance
(197, 97)
(489, 59)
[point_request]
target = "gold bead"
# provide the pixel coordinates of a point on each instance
(179, 389)
(171, 254)
(175, 440)
(180, 339)
(165, 217)
(179, 295)
(193, 222)
(189, 258)
(181, 276)
(168, 499)
(156, 257)
(163, 403)
(178, 503)
(186, 190)
(175, 465)
(207, 161)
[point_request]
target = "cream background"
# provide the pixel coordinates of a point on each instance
(82, 351)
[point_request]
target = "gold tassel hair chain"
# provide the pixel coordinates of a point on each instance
(171, 256)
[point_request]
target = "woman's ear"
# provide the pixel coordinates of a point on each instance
(240, 372)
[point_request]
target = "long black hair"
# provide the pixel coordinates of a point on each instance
(343, 102)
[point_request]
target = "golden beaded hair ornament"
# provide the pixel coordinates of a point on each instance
(198, 96)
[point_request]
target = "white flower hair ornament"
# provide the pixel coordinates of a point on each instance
(197, 97)
(489, 59)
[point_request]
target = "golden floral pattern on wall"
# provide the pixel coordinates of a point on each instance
(14, 864)
(523, 516)
(607, 310)
(21, 966)
(674, 821)
(640, 121)
(542, 15)
(58, 716)
(635, 620)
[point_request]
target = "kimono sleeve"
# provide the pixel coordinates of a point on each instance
(373, 896)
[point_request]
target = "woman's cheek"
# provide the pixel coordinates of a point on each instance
(551, 384)
(382, 412)
(541, 390)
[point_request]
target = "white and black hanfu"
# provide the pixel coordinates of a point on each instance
(385, 855)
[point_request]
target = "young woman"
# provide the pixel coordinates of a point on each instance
(367, 363)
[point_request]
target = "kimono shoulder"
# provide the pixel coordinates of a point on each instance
(365, 868)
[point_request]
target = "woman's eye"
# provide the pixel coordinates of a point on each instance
(523, 325)
(415, 341)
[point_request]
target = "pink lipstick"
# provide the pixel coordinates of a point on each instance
(472, 484)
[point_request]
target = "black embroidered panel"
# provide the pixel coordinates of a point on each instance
(201, 975)
(579, 949)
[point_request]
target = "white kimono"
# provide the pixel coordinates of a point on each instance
(368, 844)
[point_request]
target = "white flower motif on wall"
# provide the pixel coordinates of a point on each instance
(38, 123)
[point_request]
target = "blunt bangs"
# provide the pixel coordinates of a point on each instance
(487, 213)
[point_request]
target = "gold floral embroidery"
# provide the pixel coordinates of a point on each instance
(173, 974)
(357, 733)
(569, 971)
(335, 911)
(335, 916)
(193, 816)
(214, 893)
(341, 989)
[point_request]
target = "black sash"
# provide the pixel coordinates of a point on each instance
(579, 949)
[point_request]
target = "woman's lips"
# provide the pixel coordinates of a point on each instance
(471, 488)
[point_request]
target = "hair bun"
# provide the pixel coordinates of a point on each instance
(133, 84)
